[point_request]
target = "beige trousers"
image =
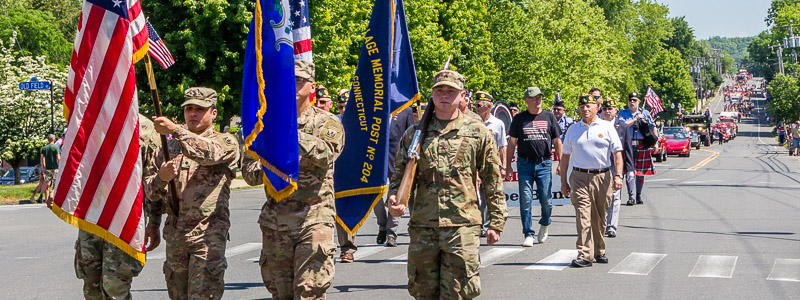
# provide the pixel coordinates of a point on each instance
(591, 196)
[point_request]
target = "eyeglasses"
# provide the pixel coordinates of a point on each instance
(479, 105)
(323, 102)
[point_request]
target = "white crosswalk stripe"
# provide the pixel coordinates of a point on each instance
(365, 251)
(715, 266)
(555, 262)
(785, 270)
(496, 254)
(230, 252)
(397, 260)
(638, 264)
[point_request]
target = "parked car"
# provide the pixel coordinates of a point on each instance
(694, 140)
(26, 175)
(679, 143)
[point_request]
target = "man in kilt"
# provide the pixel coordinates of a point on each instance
(643, 157)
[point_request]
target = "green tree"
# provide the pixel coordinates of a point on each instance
(36, 35)
(784, 90)
(672, 81)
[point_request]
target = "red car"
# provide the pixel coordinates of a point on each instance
(679, 143)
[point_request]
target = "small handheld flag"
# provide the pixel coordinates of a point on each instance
(654, 101)
(158, 50)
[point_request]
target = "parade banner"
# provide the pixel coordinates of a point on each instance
(385, 83)
(98, 187)
(511, 187)
(269, 106)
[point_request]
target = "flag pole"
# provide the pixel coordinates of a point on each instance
(173, 191)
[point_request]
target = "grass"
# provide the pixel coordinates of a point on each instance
(10, 193)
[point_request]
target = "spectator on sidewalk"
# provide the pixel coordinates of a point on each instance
(49, 158)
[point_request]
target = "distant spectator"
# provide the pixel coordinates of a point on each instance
(50, 156)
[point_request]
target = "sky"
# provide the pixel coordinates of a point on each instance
(726, 18)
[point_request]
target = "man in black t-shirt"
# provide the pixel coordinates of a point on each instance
(535, 131)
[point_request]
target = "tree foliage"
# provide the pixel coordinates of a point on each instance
(785, 91)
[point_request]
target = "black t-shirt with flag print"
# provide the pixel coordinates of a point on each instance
(535, 134)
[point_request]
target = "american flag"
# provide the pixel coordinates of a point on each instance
(99, 183)
(158, 50)
(654, 101)
(301, 30)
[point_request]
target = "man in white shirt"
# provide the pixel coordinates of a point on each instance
(483, 105)
(589, 144)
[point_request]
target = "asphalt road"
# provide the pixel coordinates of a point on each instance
(721, 224)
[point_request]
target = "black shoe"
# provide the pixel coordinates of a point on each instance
(391, 242)
(601, 259)
(381, 237)
(630, 202)
(581, 263)
(639, 200)
(611, 234)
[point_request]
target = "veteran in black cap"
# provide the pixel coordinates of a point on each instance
(643, 156)
(324, 100)
(609, 113)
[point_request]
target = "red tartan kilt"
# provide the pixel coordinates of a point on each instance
(644, 161)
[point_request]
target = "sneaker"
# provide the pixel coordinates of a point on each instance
(601, 259)
(630, 202)
(639, 200)
(528, 242)
(581, 263)
(542, 233)
(611, 234)
(381, 237)
(391, 242)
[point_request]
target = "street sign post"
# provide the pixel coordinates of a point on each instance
(36, 85)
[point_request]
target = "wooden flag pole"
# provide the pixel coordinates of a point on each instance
(173, 191)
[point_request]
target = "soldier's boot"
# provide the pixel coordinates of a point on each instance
(93, 288)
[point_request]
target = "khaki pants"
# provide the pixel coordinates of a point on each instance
(443, 263)
(346, 242)
(591, 196)
(298, 263)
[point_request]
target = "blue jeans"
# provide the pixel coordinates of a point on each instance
(529, 172)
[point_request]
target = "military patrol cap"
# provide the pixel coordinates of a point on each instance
(449, 78)
(609, 103)
(532, 92)
(586, 99)
(200, 96)
(322, 92)
(483, 96)
(304, 69)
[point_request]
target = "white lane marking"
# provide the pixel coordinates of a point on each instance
(366, 250)
(657, 180)
(682, 170)
(785, 270)
(397, 260)
(230, 252)
(638, 264)
(495, 254)
(716, 266)
(555, 262)
(700, 181)
(664, 165)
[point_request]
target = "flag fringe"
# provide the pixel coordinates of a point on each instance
(100, 232)
(142, 52)
(380, 190)
(406, 105)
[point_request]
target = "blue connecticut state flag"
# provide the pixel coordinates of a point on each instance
(269, 108)
(385, 83)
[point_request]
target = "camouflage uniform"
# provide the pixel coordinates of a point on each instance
(196, 236)
(445, 218)
(297, 253)
(107, 271)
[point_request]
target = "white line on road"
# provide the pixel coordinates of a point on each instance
(696, 182)
(716, 266)
(657, 180)
(638, 264)
(230, 252)
(397, 260)
(555, 262)
(495, 254)
(785, 270)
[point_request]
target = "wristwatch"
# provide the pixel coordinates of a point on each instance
(618, 175)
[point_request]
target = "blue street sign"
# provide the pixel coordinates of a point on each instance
(34, 84)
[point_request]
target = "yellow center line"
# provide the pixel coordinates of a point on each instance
(704, 162)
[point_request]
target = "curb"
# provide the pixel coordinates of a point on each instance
(17, 202)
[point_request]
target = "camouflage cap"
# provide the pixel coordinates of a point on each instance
(449, 78)
(322, 92)
(304, 69)
(532, 92)
(483, 96)
(200, 96)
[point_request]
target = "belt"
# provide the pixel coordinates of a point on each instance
(591, 171)
(537, 160)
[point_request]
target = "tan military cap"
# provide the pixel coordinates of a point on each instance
(304, 69)
(200, 96)
(449, 78)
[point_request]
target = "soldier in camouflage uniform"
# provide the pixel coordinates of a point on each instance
(445, 221)
(297, 253)
(107, 271)
(203, 165)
